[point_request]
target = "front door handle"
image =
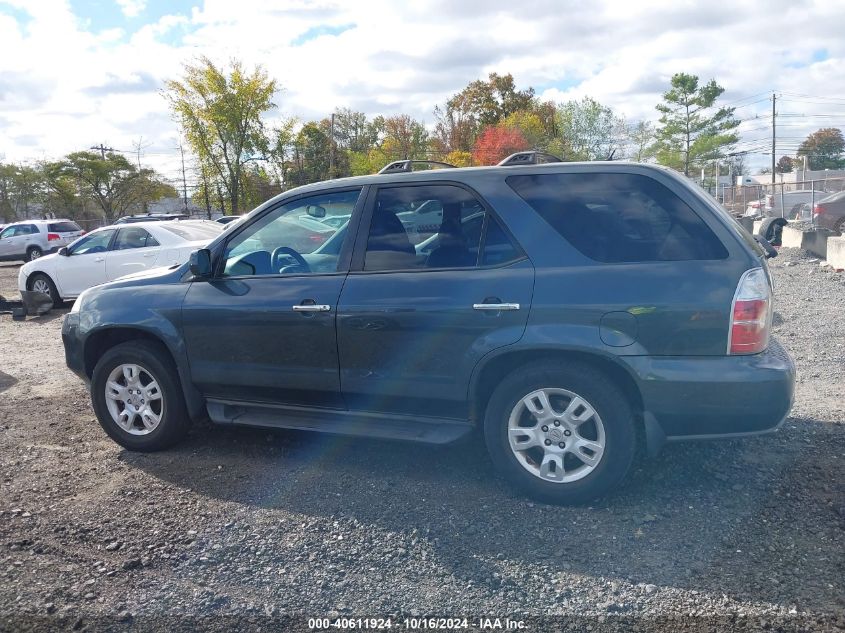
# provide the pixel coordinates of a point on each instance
(312, 308)
(495, 307)
(98, 259)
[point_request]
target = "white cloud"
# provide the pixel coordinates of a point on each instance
(131, 8)
(64, 88)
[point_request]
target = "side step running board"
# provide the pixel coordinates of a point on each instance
(379, 425)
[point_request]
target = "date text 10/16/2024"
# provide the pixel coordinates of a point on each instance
(417, 624)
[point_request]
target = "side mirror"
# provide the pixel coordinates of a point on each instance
(200, 263)
(315, 211)
(63, 251)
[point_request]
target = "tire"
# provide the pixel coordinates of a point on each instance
(152, 362)
(42, 280)
(771, 230)
(839, 227)
(33, 253)
(581, 483)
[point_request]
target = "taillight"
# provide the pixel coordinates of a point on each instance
(818, 209)
(750, 314)
(53, 236)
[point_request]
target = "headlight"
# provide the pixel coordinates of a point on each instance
(78, 303)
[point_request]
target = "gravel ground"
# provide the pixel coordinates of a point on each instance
(249, 529)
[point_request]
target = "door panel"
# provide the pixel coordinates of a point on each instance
(408, 341)
(80, 272)
(246, 342)
(85, 264)
(264, 329)
(126, 262)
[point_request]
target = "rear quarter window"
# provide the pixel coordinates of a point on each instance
(617, 218)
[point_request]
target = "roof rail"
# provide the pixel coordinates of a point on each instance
(400, 166)
(529, 158)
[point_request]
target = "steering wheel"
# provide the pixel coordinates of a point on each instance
(286, 251)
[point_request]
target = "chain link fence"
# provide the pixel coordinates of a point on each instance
(792, 201)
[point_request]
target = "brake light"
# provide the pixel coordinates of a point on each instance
(53, 236)
(818, 209)
(750, 314)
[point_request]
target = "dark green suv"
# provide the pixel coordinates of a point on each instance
(568, 311)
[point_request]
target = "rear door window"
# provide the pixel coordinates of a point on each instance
(434, 226)
(133, 237)
(619, 217)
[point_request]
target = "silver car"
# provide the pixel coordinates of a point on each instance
(30, 239)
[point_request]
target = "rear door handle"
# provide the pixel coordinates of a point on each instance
(495, 307)
(98, 259)
(312, 308)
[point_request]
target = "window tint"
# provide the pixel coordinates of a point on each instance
(300, 237)
(133, 237)
(92, 243)
(619, 217)
(63, 227)
(435, 226)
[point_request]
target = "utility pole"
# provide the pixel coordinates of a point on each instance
(331, 149)
(184, 183)
(103, 149)
(774, 114)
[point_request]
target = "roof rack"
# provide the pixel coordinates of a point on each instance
(529, 158)
(400, 166)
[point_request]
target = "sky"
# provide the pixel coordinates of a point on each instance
(77, 73)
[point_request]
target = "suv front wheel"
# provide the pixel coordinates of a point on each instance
(137, 397)
(564, 433)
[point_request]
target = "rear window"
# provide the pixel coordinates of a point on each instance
(194, 231)
(616, 218)
(63, 227)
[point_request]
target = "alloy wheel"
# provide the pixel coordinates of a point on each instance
(134, 399)
(556, 435)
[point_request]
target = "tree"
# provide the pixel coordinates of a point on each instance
(112, 182)
(785, 165)
(220, 112)
(824, 149)
(641, 139)
(588, 130)
(497, 142)
(311, 156)
(692, 131)
(18, 190)
(480, 104)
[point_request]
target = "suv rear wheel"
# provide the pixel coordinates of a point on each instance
(563, 433)
(137, 397)
(33, 253)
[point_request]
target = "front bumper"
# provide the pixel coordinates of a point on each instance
(711, 397)
(74, 346)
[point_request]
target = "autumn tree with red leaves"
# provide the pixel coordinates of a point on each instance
(497, 142)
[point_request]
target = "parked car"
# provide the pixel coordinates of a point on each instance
(114, 251)
(787, 206)
(565, 309)
(30, 239)
(829, 212)
(152, 217)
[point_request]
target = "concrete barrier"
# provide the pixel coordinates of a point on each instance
(814, 240)
(836, 252)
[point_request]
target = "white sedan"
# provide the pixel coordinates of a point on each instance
(114, 251)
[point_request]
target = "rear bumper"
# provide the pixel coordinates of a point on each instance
(713, 397)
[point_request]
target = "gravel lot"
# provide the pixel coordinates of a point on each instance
(249, 529)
